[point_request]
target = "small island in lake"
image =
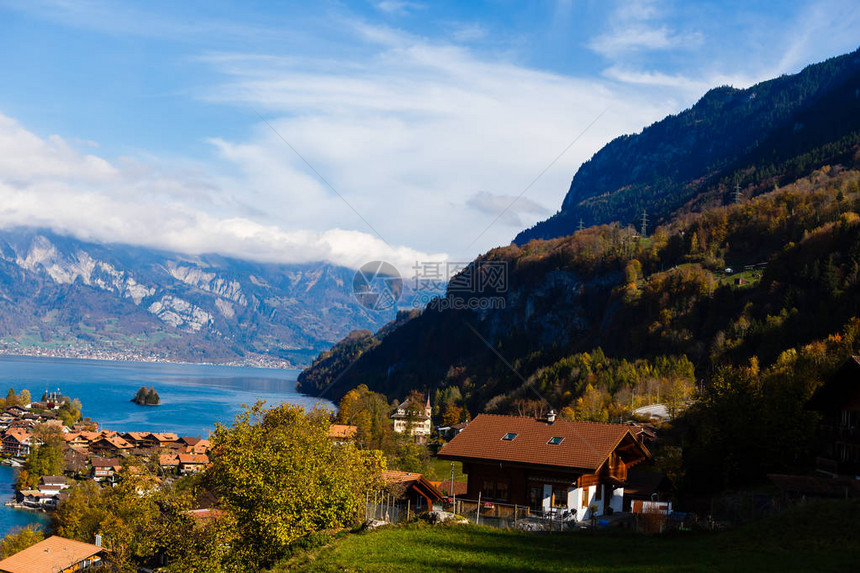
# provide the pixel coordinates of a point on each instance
(146, 397)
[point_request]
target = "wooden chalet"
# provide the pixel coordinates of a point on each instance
(105, 468)
(547, 464)
(110, 444)
(838, 401)
(169, 463)
(420, 492)
(192, 463)
(75, 459)
(16, 442)
(200, 447)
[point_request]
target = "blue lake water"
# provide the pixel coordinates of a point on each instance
(193, 398)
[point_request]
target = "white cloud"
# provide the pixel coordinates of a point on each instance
(635, 26)
(637, 37)
(399, 7)
(508, 207)
(46, 183)
(409, 135)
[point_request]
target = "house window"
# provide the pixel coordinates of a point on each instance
(559, 497)
(536, 497)
(509, 437)
(584, 497)
(497, 490)
(555, 440)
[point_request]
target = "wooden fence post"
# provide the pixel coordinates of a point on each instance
(478, 511)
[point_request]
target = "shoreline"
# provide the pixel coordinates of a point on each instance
(267, 364)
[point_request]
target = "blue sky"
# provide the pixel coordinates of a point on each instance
(141, 122)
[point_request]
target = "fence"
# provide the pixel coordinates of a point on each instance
(505, 516)
(383, 506)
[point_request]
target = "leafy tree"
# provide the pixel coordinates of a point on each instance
(45, 459)
(19, 539)
(190, 544)
(282, 478)
(126, 516)
(24, 397)
(11, 398)
(452, 414)
(368, 411)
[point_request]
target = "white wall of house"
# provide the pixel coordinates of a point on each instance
(547, 497)
(586, 493)
(616, 502)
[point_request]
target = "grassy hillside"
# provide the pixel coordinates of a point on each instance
(816, 537)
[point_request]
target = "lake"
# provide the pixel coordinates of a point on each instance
(193, 398)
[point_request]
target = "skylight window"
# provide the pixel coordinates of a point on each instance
(555, 440)
(509, 437)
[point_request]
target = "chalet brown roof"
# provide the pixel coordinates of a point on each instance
(106, 463)
(18, 434)
(342, 431)
(414, 481)
(136, 436)
(841, 391)
(586, 445)
(193, 458)
(53, 554)
(114, 442)
(393, 476)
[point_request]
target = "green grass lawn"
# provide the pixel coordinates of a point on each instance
(816, 537)
(440, 470)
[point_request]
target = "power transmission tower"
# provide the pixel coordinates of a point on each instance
(737, 195)
(581, 225)
(644, 230)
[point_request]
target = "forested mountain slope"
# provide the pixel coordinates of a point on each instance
(720, 286)
(772, 132)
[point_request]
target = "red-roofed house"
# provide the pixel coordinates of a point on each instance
(105, 468)
(55, 554)
(169, 463)
(110, 444)
(16, 442)
(192, 463)
(340, 433)
(547, 464)
(201, 447)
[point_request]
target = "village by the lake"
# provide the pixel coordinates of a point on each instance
(363, 286)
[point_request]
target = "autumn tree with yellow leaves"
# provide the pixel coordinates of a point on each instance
(282, 479)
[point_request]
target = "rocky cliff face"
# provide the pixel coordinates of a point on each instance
(58, 292)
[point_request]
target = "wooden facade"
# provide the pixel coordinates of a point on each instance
(585, 479)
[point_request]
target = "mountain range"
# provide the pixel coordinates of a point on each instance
(67, 297)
